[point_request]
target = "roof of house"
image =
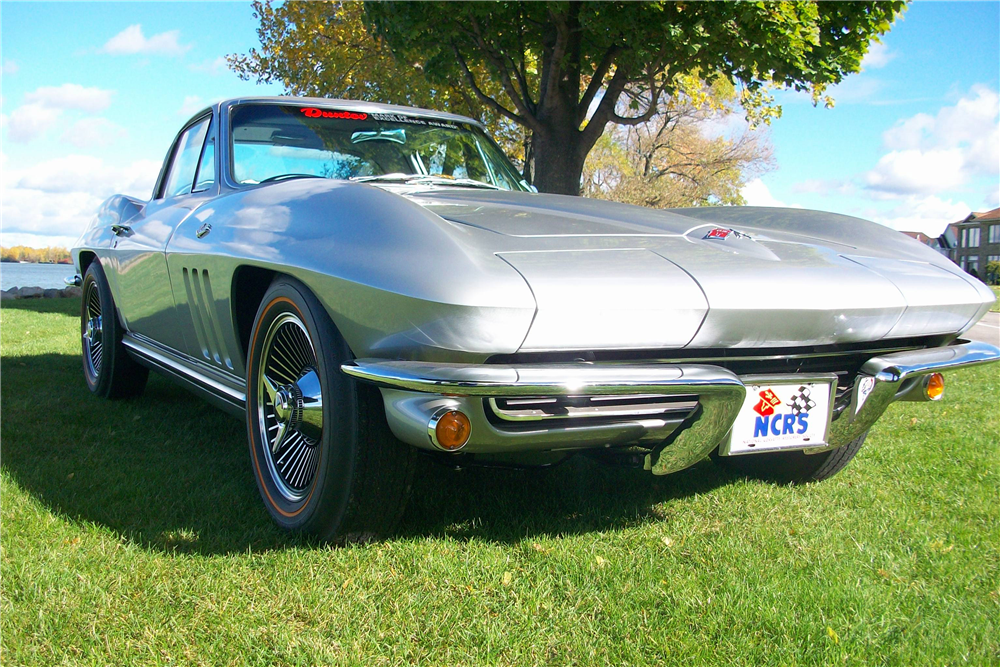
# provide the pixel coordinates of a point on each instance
(981, 216)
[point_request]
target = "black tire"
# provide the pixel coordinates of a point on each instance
(353, 484)
(793, 467)
(109, 370)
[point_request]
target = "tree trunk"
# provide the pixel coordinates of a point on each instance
(559, 159)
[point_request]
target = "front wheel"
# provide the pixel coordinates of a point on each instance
(109, 370)
(795, 467)
(323, 457)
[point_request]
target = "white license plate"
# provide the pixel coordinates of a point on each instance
(782, 414)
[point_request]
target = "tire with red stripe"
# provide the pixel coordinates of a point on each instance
(322, 454)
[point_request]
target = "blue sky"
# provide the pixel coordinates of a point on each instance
(93, 93)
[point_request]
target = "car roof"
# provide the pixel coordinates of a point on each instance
(350, 105)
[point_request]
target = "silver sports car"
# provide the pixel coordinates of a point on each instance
(362, 281)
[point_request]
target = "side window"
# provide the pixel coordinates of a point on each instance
(206, 168)
(181, 175)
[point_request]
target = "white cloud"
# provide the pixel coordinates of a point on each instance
(10, 67)
(93, 132)
(878, 56)
(85, 173)
(931, 154)
(916, 172)
(56, 199)
(191, 104)
(908, 132)
(929, 215)
(30, 121)
(43, 107)
(71, 96)
(8, 239)
(755, 193)
(131, 41)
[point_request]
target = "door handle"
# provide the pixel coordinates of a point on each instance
(203, 230)
(121, 230)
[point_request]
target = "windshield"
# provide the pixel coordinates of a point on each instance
(273, 142)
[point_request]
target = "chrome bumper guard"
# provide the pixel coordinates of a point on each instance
(413, 389)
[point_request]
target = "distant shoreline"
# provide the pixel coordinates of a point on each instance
(65, 262)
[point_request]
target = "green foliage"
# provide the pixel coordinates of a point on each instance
(992, 272)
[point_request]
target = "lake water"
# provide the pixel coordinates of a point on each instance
(34, 275)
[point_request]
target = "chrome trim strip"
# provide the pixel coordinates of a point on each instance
(888, 373)
(900, 366)
(171, 363)
(541, 379)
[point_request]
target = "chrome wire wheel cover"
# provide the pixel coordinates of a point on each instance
(92, 332)
(290, 406)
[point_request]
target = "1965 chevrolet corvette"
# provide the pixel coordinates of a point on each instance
(361, 280)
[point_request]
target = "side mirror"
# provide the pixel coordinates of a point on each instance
(528, 186)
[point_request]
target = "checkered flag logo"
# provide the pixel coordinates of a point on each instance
(800, 401)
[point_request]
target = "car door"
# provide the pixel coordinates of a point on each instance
(145, 296)
(201, 274)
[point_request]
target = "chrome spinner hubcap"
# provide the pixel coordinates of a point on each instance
(92, 334)
(290, 406)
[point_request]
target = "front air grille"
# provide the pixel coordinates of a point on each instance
(567, 411)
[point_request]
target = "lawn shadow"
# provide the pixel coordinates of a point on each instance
(170, 473)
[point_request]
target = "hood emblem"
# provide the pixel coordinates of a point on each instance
(722, 233)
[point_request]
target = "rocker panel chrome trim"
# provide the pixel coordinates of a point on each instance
(221, 393)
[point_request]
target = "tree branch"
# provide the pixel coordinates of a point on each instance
(519, 101)
(595, 128)
(483, 97)
(596, 82)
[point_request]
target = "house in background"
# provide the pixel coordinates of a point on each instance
(972, 242)
(938, 243)
(978, 237)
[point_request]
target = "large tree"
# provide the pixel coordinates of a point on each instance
(564, 71)
(565, 66)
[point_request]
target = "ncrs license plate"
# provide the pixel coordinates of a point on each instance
(783, 413)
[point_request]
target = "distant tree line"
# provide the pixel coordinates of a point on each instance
(20, 253)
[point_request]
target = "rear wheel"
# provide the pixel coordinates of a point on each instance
(795, 467)
(324, 459)
(109, 370)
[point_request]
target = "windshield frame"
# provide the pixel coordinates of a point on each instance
(513, 175)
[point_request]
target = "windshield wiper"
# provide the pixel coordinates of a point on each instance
(395, 176)
(427, 179)
(287, 177)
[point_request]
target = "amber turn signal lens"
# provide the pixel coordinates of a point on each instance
(935, 386)
(452, 430)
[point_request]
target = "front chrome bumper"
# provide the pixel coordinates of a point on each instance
(414, 392)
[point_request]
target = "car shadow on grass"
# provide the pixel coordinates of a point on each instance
(170, 473)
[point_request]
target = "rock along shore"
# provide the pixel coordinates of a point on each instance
(39, 293)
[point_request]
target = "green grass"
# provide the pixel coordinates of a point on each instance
(132, 534)
(996, 304)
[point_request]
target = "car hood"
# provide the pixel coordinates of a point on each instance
(607, 275)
